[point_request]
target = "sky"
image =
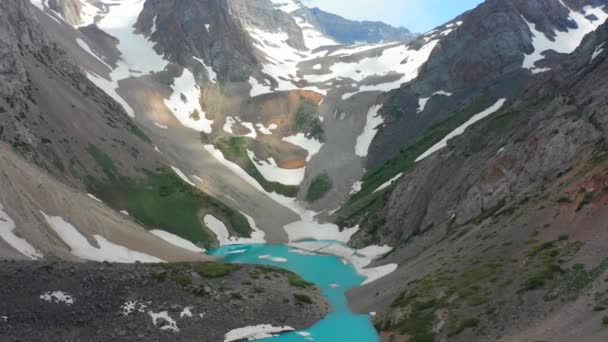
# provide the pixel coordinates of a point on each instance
(417, 15)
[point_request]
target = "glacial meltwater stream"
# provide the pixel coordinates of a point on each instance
(329, 272)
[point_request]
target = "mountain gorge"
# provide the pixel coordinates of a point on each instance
(461, 172)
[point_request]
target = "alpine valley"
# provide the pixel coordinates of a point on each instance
(228, 170)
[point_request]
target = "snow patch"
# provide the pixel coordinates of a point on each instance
(424, 100)
(91, 196)
(185, 103)
(255, 332)
(356, 188)
(272, 172)
(161, 126)
(107, 251)
(360, 258)
(168, 324)
(389, 183)
(369, 131)
(58, 297)
(133, 306)
(186, 312)
(598, 51)
(182, 175)
(313, 146)
(564, 42)
(7, 233)
(177, 241)
(458, 131)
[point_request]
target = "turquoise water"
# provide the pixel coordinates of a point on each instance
(323, 270)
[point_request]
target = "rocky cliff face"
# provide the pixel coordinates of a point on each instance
(482, 56)
(349, 31)
(528, 184)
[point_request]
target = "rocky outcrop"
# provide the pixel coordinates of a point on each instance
(481, 55)
(509, 209)
(178, 302)
(351, 31)
(69, 10)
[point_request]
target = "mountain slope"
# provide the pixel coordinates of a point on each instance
(504, 223)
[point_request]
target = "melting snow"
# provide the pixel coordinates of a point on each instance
(83, 45)
(138, 57)
(389, 183)
(186, 312)
(107, 251)
(91, 196)
(272, 172)
(177, 241)
(182, 175)
(424, 100)
(254, 332)
(185, 102)
(358, 258)
(134, 306)
(212, 74)
(58, 297)
(161, 126)
(564, 42)
(266, 130)
(168, 325)
(313, 146)
(218, 228)
(356, 188)
(598, 51)
(458, 131)
(369, 131)
(7, 233)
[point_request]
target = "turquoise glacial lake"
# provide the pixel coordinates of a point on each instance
(324, 270)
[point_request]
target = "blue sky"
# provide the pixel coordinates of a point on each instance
(417, 15)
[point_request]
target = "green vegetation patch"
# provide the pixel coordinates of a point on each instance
(302, 298)
(164, 201)
(297, 281)
(234, 149)
(319, 187)
(216, 270)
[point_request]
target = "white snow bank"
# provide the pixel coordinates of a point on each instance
(218, 228)
(458, 131)
(424, 100)
(273, 173)
(182, 175)
(564, 42)
(185, 101)
(388, 183)
(223, 236)
(230, 122)
(169, 323)
(358, 258)
(177, 241)
(369, 131)
(107, 251)
(161, 126)
(7, 233)
(255, 332)
(91, 196)
(58, 297)
(598, 51)
(356, 188)
(212, 74)
(313, 146)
